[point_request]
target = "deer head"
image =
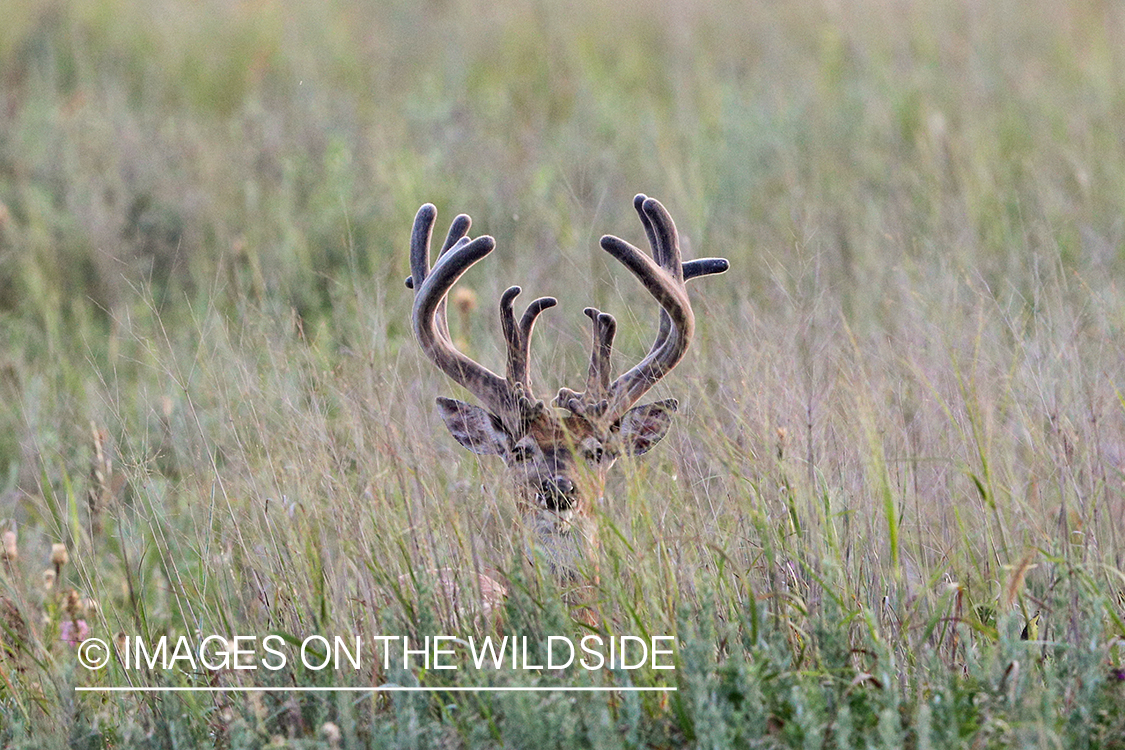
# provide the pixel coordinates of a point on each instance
(557, 457)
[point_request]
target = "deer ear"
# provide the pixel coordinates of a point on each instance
(473, 427)
(646, 425)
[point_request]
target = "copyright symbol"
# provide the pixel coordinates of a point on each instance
(93, 653)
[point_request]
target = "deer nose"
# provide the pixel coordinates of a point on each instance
(558, 493)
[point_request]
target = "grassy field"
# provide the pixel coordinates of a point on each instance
(902, 423)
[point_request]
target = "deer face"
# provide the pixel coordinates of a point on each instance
(558, 466)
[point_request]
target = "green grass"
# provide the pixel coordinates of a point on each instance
(902, 424)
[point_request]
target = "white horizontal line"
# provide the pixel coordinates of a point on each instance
(380, 689)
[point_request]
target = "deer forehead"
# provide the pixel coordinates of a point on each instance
(569, 432)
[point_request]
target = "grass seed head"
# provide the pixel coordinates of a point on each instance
(59, 556)
(72, 605)
(10, 552)
(465, 300)
(331, 733)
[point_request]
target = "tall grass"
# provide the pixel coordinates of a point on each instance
(901, 431)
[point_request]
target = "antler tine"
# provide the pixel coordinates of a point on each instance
(431, 287)
(420, 237)
(605, 328)
(693, 269)
(527, 323)
(517, 366)
(518, 337)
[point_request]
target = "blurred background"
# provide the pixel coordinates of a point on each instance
(905, 393)
(925, 185)
(204, 153)
(211, 147)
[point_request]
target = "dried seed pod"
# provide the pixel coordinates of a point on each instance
(10, 552)
(59, 556)
(72, 604)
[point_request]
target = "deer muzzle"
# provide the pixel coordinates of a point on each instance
(558, 493)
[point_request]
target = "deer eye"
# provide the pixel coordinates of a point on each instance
(521, 454)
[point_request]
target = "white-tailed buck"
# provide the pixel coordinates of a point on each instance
(557, 457)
